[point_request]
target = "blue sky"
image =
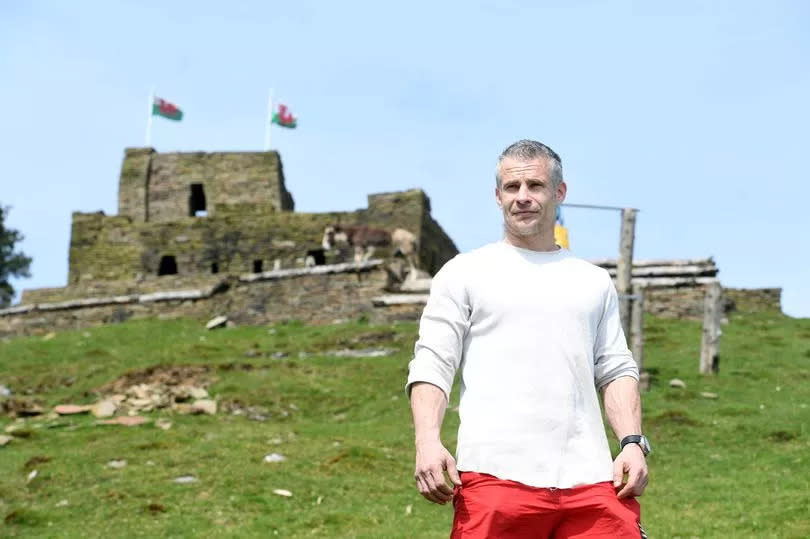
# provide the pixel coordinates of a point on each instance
(694, 112)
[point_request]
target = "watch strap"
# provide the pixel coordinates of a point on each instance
(631, 439)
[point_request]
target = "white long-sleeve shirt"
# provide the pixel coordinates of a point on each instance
(534, 335)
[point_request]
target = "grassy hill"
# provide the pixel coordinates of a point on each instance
(731, 466)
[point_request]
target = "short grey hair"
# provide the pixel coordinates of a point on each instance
(529, 150)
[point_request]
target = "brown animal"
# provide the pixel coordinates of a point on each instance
(364, 239)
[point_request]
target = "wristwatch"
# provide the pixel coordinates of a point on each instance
(639, 439)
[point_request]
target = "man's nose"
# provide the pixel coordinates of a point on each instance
(523, 193)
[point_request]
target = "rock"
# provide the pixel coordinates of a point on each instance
(197, 393)
(282, 492)
(17, 408)
(708, 395)
(5, 439)
(4, 391)
(127, 421)
(62, 503)
(31, 476)
(204, 406)
(103, 408)
(185, 479)
(182, 408)
(676, 382)
(216, 322)
(141, 404)
(274, 457)
(368, 352)
(49, 336)
(116, 464)
(416, 285)
(164, 424)
(70, 409)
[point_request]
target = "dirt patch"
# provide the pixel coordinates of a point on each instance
(673, 417)
(15, 407)
(35, 461)
(370, 338)
(165, 375)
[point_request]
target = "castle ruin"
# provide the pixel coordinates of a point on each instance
(194, 222)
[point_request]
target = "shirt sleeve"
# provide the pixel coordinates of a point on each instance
(612, 358)
(442, 328)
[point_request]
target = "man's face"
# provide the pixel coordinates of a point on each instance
(527, 197)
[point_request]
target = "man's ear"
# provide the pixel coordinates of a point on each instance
(562, 190)
(498, 197)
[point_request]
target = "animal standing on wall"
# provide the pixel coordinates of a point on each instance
(364, 239)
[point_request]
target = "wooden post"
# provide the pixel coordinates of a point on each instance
(637, 336)
(709, 356)
(637, 326)
(624, 268)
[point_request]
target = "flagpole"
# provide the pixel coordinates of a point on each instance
(149, 118)
(269, 120)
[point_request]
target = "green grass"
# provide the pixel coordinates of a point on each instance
(734, 466)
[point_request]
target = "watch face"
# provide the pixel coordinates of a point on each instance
(645, 445)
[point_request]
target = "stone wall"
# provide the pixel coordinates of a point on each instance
(156, 187)
(107, 252)
(684, 302)
(133, 183)
(754, 299)
(411, 210)
(687, 302)
(104, 248)
(318, 295)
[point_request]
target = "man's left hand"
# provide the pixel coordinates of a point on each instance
(631, 462)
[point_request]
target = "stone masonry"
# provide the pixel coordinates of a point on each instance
(185, 219)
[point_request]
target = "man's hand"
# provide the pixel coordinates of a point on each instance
(630, 461)
(432, 459)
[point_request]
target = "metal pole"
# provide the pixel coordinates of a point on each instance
(269, 120)
(149, 118)
(596, 207)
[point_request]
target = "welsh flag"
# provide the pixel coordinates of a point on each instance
(161, 107)
(284, 118)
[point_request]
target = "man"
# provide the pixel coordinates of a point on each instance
(534, 332)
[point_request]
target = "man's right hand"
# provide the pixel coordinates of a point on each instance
(432, 460)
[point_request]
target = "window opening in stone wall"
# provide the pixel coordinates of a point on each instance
(214, 267)
(168, 266)
(257, 266)
(196, 201)
(315, 257)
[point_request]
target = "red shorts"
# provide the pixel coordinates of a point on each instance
(486, 506)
